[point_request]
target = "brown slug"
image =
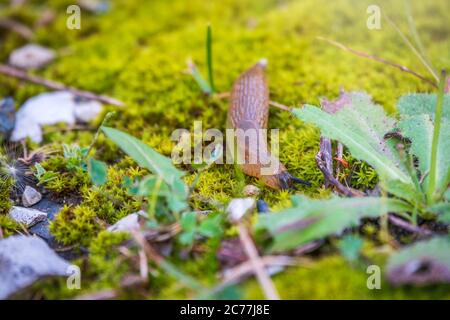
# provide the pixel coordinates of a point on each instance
(249, 110)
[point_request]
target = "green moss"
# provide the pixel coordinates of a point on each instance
(334, 278)
(75, 225)
(107, 266)
(112, 201)
(68, 180)
(5, 191)
(8, 226)
(141, 61)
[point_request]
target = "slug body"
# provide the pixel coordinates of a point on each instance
(248, 116)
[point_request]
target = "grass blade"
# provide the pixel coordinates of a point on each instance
(209, 57)
(436, 133)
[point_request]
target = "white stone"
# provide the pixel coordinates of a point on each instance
(237, 208)
(87, 110)
(31, 56)
(30, 196)
(23, 260)
(26, 216)
(48, 109)
(128, 223)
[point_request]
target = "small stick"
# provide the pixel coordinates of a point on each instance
(349, 192)
(378, 59)
(279, 106)
(258, 265)
(17, 27)
(143, 265)
(22, 75)
(339, 154)
(408, 226)
(325, 149)
(245, 269)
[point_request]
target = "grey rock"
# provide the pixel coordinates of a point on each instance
(51, 108)
(41, 229)
(7, 116)
(24, 260)
(128, 223)
(27, 216)
(30, 196)
(31, 56)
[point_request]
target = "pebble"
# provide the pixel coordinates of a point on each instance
(128, 223)
(24, 260)
(27, 216)
(262, 206)
(7, 116)
(237, 208)
(31, 56)
(251, 190)
(30, 196)
(51, 108)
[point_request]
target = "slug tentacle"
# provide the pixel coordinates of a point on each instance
(248, 116)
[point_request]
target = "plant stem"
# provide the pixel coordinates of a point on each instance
(209, 57)
(436, 134)
(108, 116)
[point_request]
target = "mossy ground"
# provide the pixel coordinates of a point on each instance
(137, 53)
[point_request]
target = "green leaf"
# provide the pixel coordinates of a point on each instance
(316, 219)
(98, 171)
(361, 125)
(421, 103)
(188, 221)
(209, 57)
(144, 155)
(350, 247)
(211, 227)
(425, 262)
(187, 238)
(419, 128)
(202, 83)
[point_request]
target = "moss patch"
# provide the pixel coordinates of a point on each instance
(136, 52)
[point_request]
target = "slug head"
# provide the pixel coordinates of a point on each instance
(284, 181)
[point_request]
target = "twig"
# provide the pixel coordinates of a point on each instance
(153, 255)
(339, 154)
(17, 27)
(257, 264)
(408, 226)
(325, 150)
(143, 265)
(279, 106)
(349, 192)
(378, 59)
(245, 269)
(22, 75)
(411, 46)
